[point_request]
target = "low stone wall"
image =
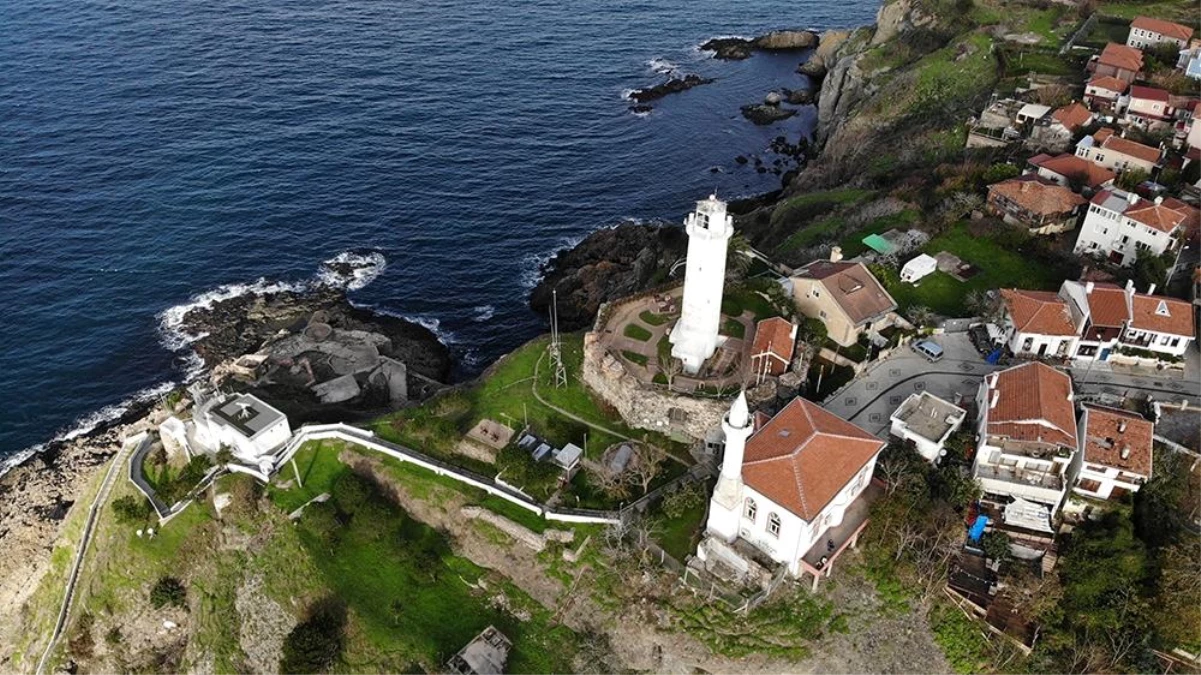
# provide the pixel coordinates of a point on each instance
(519, 532)
(644, 407)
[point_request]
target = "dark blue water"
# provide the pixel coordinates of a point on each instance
(152, 150)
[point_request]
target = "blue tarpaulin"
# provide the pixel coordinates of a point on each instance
(977, 529)
(994, 357)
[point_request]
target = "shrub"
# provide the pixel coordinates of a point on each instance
(996, 545)
(131, 510)
(168, 591)
(679, 502)
(317, 642)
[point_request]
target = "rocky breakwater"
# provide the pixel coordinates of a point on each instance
(737, 48)
(608, 264)
(641, 98)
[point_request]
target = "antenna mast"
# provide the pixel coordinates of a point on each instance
(556, 347)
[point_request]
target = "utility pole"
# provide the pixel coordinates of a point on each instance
(556, 347)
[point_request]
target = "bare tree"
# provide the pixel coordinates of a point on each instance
(921, 315)
(672, 368)
(645, 466)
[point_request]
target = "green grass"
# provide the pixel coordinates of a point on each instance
(1181, 11)
(733, 328)
(634, 357)
(852, 244)
(637, 332)
(945, 78)
(652, 319)
(678, 536)
(1000, 267)
(798, 210)
(781, 628)
(738, 300)
(961, 639)
(827, 228)
(1025, 60)
(1106, 30)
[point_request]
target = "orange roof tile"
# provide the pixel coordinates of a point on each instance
(1109, 433)
(1162, 315)
(1071, 166)
(1164, 28)
(1155, 216)
(1108, 83)
(1122, 57)
(1033, 403)
(1102, 135)
(1033, 195)
(775, 336)
(1073, 116)
(1040, 312)
(1107, 306)
(804, 456)
(1130, 148)
(1149, 93)
(852, 286)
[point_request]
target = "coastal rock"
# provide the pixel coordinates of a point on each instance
(729, 48)
(608, 264)
(787, 40)
(763, 114)
(899, 17)
(674, 85)
(799, 96)
(815, 68)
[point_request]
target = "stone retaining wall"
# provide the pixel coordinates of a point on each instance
(519, 532)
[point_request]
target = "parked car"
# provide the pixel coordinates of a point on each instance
(929, 349)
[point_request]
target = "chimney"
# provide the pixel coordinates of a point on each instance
(1088, 287)
(1132, 198)
(835, 253)
(1125, 452)
(1122, 427)
(1151, 289)
(996, 396)
(1159, 200)
(1129, 287)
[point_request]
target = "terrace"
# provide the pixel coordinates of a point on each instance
(819, 560)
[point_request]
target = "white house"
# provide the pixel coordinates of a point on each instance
(694, 337)
(1147, 32)
(1107, 150)
(1026, 442)
(927, 421)
(1116, 452)
(1038, 323)
(784, 487)
(1149, 108)
(921, 266)
(1103, 91)
(1120, 226)
(244, 424)
(1121, 321)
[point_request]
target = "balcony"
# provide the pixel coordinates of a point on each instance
(1012, 481)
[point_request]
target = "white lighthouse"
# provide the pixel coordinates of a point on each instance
(694, 337)
(725, 507)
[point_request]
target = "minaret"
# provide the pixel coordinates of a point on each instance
(694, 337)
(725, 508)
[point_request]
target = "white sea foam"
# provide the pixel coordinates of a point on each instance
(626, 94)
(366, 268)
(641, 113)
(662, 66)
(171, 320)
(484, 312)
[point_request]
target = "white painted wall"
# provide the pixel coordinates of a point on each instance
(694, 337)
(1108, 477)
(1105, 232)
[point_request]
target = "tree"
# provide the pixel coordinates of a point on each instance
(168, 591)
(921, 316)
(317, 642)
(996, 546)
(814, 332)
(1150, 269)
(1132, 178)
(131, 510)
(738, 258)
(1177, 599)
(645, 465)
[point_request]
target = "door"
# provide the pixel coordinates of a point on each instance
(1104, 354)
(1042, 350)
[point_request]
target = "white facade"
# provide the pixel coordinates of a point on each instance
(1108, 233)
(1108, 478)
(1110, 158)
(1142, 38)
(927, 421)
(246, 425)
(695, 337)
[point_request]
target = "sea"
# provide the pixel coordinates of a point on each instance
(158, 154)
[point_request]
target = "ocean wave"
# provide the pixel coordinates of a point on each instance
(363, 267)
(662, 66)
(484, 312)
(431, 323)
(627, 94)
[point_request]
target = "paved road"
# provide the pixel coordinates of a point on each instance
(106, 488)
(870, 399)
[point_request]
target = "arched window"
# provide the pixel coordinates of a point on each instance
(773, 524)
(750, 510)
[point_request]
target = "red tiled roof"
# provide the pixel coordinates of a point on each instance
(1155, 216)
(1108, 83)
(1122, 57)
(775, 336)
(1102, 135)
(1162, 315)
(1073, 116)
(1164, 28)
(1107, 306)
(1148, 93)
(852, 286)
(1071, 166)
(1039, 312)
(1109, 433)
(1037, 197)
(804, 456)
(1130, 148)
(1033, 403)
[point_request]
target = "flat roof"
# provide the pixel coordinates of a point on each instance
(247, 414)
(929, 416)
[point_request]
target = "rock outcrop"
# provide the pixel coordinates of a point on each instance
(674, 85)
(608, 264)
(729, 49)
(736, 48)
(765, 113)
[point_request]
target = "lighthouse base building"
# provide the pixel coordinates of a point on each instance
(789, 492)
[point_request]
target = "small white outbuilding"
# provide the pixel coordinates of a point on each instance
(919, 267)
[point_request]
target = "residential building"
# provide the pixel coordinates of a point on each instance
(1073, 117)
(1190, 61)
(1149, 108)
(1115, 452)
(1054, 132)
(787, 486)
(1118, 154)
(1120, 226)
(1069, 170)
(1119, 61)
(772, 349)
(694, 337)
(1103, 91)
(1193, 139)
(1039, 205)
(845, 296)
(244, 424)
(1147, 32)
(1038, 324)
(1026, 443)
(927, 421)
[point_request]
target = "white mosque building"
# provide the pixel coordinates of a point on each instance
(786, 486)
(695, 336)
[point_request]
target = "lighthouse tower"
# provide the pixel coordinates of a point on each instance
(694, 337)
(726, 505)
